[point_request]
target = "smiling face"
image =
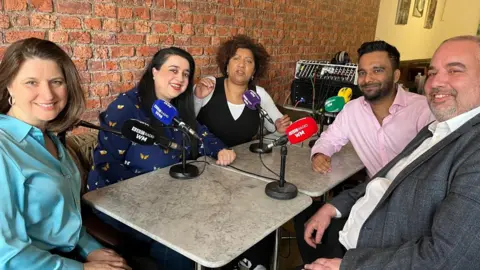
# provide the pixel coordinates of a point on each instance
(39, 92)
(171, 79)
(241, 66)
(453, 84)
(376, 77)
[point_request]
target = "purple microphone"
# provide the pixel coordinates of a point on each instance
(252, 101)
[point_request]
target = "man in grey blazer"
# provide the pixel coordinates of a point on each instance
(422, 210)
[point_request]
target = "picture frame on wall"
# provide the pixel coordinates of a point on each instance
(430, 16)
(418, 8)
(403, 9)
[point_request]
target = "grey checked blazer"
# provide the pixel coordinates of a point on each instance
(429, 218)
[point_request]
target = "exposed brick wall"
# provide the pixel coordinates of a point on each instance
(111, 41)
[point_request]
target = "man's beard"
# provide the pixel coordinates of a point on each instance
(381, 92)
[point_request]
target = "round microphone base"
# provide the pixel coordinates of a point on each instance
(178, 172)
(255, 148)
(275, 191)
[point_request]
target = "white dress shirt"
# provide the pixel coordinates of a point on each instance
(376, 188)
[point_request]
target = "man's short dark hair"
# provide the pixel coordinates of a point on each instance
(381, 46)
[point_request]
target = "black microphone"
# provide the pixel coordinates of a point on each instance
(142, 133)
(92, 126)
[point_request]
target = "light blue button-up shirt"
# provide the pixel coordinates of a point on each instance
(39, 201)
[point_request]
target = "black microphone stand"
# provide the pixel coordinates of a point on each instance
(184, 171)
(260, 147)
(281, 190)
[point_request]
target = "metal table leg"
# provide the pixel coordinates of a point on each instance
(276, 248)
(199, 267)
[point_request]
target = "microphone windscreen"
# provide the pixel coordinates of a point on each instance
(301, 130)
(251, 99)
(346, 93)
(138, 132)
(334, 104)
(164, 111)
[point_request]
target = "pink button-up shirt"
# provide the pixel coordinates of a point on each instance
(376, 144)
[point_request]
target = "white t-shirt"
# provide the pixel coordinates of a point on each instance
(266, 102)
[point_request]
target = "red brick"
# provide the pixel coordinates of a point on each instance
(127, 76)
(111, 25)
(42, 5)
(210, 51)
(20, 20)
(130, 39)
(85, 76)
(93, 103)
(80, 37)
(95, 65)
(172, 4)
(43, 20)
(100, 53)
(141, 13)
(58, 36)
(160, 39)
(13, 36)
(176, 28)
(201, 41)
(100, 38)
(163, 15)
(197, 18)
(132, 64)
(111, 65)
(2, 51)
(128, 26)
(209, 30)
(99, 90)
(80, 64)
(182, 40)
(160, 28)
(224, 20)
(184, 17)
(71, 7)
(123, 51)
(124, 12)
(187, 29)
(142, 27)
(102, 10)
(67, 49)
(82, 52)
(4, 21)
(209, 19)
(147, 50)
(92, 24)
(70, 23)
(195, 51)
(122, 87)
(15, 5)
(104, 77)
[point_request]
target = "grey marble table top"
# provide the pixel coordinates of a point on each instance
(211, 219)
(298, 167)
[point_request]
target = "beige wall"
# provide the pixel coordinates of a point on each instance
(460, 17)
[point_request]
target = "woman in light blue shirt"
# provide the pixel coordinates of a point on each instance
(40, 217)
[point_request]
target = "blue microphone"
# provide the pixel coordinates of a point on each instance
(166, 113)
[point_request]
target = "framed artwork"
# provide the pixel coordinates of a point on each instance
(403, 9)
(432, 7)
(418, 8)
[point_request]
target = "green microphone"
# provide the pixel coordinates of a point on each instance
(334, 104)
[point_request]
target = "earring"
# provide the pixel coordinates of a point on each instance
(11, 101)
(251, 79)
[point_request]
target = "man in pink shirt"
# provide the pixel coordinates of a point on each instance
(379, 124)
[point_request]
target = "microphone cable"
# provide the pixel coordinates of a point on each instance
(264, 165)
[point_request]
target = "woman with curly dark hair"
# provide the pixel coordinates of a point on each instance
(218, 101)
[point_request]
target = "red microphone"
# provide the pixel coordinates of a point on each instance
(297, 132)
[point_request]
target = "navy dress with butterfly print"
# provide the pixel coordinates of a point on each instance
(117, 159)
